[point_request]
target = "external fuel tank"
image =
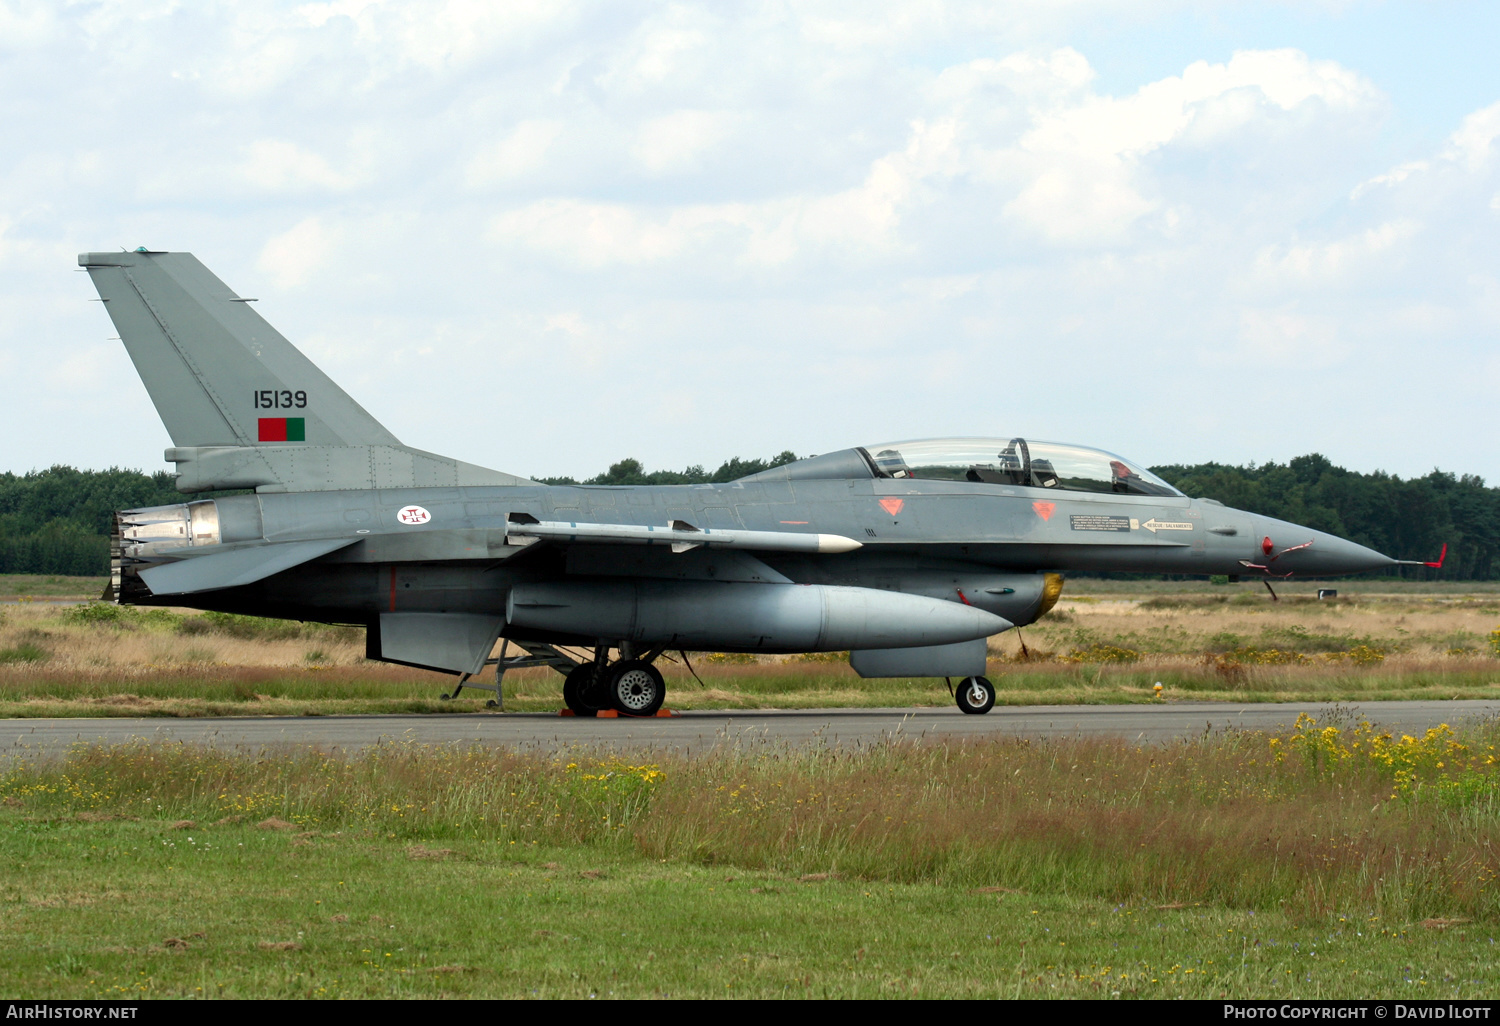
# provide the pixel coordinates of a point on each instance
(746, 617)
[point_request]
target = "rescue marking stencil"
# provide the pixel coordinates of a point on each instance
(1153, 525)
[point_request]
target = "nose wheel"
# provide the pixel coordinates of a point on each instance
(975, 695)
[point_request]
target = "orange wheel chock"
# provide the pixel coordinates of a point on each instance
(611, 714)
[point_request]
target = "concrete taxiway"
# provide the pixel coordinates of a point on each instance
(701, 731)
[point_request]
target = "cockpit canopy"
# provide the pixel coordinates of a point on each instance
(1031, 464)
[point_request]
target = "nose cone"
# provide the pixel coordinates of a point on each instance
(1332, 555)
(1327, 555)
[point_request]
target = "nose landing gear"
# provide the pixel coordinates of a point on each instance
(975, 695)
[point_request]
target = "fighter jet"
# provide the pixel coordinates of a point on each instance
(908, 555)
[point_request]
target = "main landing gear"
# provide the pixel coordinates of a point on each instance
(629, 686)
(975, 695)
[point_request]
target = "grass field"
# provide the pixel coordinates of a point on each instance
(35, 587)
(1331, 862)
(1215, 643)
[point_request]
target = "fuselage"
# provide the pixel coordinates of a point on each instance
(981, 543)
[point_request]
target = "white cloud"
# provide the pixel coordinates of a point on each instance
(461, 32)
(597, 234)
(1351, 257)
(660, 53)
(675, 141)
(1395, 176)
(1083, 157)
(1103, 127)
(860, 222)
(26, 25)
(521, 153)
(1473, 143)
(83, 369)
(277, 165)
(570, 323)
(1061, 73)
(1084, 204)
(293, 258)
(1467, 152)
(873, 219)
(941, 288)
(317, 14)
(1286, 345)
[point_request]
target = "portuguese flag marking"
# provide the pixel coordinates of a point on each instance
(283, 429)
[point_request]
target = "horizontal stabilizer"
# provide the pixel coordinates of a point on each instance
(319, 468)
(232, 569)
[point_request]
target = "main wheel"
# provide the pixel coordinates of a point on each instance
(636, 688)
(577, 685)
(976, 695)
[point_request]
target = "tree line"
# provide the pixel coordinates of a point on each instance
(57, 521)
(630, 472)
(1407, 519)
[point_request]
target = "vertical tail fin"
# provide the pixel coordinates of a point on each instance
(217, 372)
(244, 408)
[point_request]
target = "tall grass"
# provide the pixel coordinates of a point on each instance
(1217, 821)
(1316, 822)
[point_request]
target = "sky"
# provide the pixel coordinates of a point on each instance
(542, 237)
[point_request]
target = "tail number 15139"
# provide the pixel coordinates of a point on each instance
(286, 399)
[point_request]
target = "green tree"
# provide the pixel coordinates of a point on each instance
(1407, 519)
(58, 520)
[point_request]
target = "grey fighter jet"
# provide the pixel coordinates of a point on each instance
(907, 554)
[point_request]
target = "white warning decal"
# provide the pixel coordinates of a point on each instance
(1095, 522)
(413, 515)
(1153, 525)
